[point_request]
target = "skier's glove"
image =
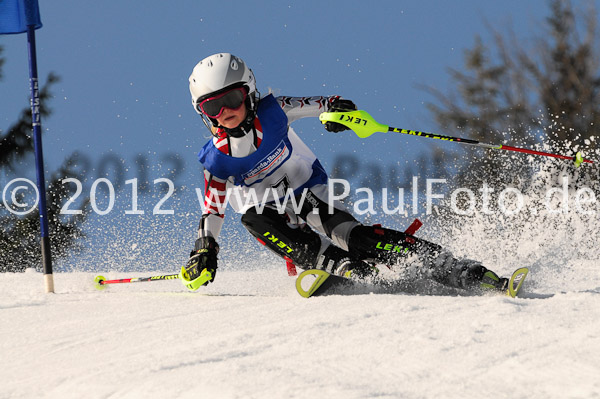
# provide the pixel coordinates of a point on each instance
(338, 104)
(203, 260)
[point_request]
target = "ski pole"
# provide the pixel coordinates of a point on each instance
(365, 125)
(100, 282)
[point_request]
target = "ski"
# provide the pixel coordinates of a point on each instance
(516, 281)
(317, 282)
(323, 282)
(100, 282)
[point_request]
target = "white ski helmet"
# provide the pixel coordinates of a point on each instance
(218, 73)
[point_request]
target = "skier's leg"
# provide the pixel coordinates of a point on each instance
(327, 217)
(272, 229)
(393, 247)
(298, 243)
(377, 244)
(331, 219)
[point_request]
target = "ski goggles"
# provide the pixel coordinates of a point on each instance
(213, 106)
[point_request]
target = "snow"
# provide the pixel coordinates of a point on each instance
(250, 335)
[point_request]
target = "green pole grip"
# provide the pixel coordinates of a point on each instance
(359, 121)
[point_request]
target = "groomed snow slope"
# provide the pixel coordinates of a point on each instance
(250, 335)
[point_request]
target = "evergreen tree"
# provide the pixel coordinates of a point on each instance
(545, 95)
(542, 94)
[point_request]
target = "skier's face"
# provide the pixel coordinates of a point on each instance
(232, 118)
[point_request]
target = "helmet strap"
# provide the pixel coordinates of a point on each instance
(243, 127)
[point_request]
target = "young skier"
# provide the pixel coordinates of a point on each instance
(255, 153)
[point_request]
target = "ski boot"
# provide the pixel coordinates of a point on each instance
(339, 262)
(475, 276)
(491, 281)
(356, 269)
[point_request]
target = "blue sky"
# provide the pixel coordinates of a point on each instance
(125, 66)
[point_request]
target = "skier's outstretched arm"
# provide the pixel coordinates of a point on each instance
(201, 267)
(311, 107)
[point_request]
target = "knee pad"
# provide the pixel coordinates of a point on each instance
(299, 244)
(378, 243)
(389, 246)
